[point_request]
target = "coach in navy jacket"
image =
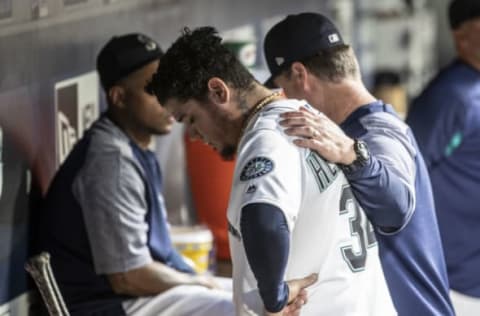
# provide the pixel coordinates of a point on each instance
(307, 57)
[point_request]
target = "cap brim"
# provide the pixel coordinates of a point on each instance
(270, 83)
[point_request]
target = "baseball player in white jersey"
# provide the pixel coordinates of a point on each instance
(329, 232)
(291, 215)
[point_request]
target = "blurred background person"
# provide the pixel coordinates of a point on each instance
(104, 221)
(445, 119)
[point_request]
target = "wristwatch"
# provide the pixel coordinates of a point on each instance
(363, 155)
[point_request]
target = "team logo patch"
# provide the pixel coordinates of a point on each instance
(256, 167)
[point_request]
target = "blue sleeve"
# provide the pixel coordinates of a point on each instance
(385, 186)
(388, 210)
(267, 243)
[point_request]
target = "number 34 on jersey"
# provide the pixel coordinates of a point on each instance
(362, 235)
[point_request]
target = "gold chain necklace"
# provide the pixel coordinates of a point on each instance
(257, 107)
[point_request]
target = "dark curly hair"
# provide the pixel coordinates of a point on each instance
(193, 59)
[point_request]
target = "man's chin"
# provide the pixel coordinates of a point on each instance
(228, 158)
(228, 153)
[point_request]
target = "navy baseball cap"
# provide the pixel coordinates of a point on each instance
(463, 10)
(123, 55)
(296, 37)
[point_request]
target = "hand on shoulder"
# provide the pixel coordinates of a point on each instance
(319, 133)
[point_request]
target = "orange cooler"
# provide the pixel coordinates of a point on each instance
(210, 181)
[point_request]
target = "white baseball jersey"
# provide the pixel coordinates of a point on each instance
(329, 233)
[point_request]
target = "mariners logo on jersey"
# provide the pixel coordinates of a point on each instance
(256, 167)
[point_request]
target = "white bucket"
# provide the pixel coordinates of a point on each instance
(194, 243)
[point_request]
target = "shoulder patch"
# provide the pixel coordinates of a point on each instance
(256, 167)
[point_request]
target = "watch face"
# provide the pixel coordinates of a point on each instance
(362, 150)
(363, 155)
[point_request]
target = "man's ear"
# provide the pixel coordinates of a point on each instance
(116, 95)
(461, 39)
(218, 91)
(299, 74)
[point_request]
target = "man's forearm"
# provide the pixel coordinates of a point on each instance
(151, 279)
(390, 208)
(266, 240)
